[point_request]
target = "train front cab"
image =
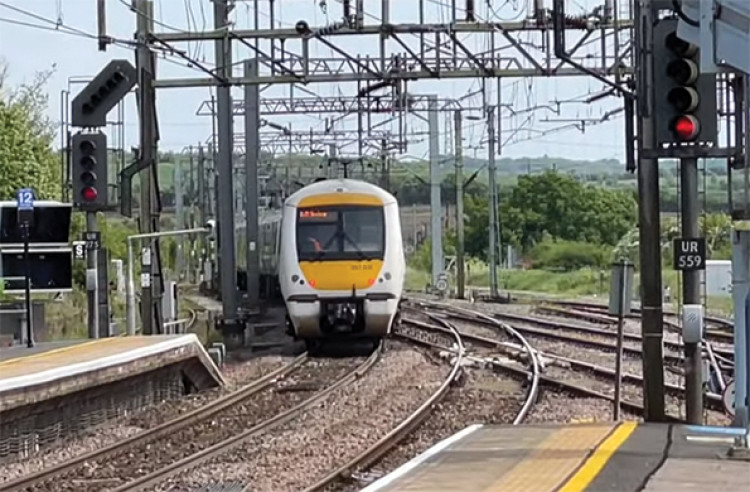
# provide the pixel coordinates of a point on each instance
(345, 284)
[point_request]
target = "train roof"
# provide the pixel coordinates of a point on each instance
(340, 185)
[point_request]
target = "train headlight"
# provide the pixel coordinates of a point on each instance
(295, 278)
(387, 275)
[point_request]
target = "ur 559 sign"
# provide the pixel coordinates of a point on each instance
(690, 254)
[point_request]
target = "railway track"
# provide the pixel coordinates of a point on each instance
(716, 336)
(167, 428)
(553, 330)
(604, 340)
(236, 438)
(192, 438)
(718, 348)
(390, 440)
(676, 357)
(550, 360)
(598, 376)
(722, 331)
(454, 344)
(514, 351)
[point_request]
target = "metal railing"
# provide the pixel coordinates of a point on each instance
(177, 326)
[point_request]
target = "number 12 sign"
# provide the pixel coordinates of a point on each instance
(25, 199)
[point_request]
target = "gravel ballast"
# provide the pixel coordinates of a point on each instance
(485, 399)
(329, 434)
(237, 375)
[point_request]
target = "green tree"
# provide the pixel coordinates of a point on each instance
(717, 228)
(26, 135)
(558, 205)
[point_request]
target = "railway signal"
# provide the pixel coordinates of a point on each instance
(90, 107)
(684, 98)
(89, 170)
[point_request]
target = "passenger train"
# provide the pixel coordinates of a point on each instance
(336, 253)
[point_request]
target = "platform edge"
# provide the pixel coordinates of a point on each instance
(419, 459)
(76, 369)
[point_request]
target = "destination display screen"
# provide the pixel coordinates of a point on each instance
(309, 215)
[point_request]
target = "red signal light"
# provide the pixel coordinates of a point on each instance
(89, 194)
(686, 127)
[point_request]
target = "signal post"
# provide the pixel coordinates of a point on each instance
(90, 169)
(90, 177)
(685, 123)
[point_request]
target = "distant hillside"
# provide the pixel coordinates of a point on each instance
(607, 172)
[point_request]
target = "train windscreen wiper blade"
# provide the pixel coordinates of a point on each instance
(359, 252)
(319, 254)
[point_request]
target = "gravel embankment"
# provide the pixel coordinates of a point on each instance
(236, 374)
(329, 434)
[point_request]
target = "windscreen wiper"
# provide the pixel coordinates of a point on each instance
(359, 252)
(319, 255)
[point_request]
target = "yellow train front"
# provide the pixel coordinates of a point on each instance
(341, 262)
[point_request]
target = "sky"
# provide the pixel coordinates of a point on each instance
(59, 35)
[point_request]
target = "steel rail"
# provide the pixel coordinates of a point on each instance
(713, 398)
(545, 333)
(513, 332)
(222, 447)
(726, 323)
(541, 332)
(713, 354)
(676, 346)
(533, 358)
(633, 407)
(166, 428)
(596, 316)
(390, 440)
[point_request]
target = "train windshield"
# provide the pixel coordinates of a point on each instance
(340, 233)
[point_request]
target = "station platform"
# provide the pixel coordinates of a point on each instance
(56, 388)
(624, 457)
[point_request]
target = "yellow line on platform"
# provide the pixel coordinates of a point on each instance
(549, 463)
(598, 460)
(48, 353)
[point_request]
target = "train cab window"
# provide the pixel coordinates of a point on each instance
(340, 233)
(364, 230)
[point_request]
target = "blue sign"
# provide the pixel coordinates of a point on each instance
(25, 199)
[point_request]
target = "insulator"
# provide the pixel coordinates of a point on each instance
(324, 31)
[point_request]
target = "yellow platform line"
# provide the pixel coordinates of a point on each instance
(38, 355)
(596, 462)
(552, 461)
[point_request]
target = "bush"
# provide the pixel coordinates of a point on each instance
(569, 255)
(421, 259)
